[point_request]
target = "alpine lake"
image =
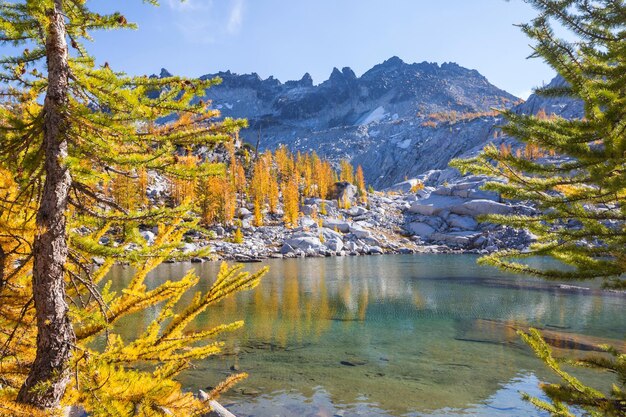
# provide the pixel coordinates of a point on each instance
(405, 335)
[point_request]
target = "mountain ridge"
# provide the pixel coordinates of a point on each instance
(397, 120)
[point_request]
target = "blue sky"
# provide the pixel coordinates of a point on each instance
(287, 38)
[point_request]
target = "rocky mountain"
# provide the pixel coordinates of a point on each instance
(442, 215)
(397, 120)
(561, 106)
(402, 151)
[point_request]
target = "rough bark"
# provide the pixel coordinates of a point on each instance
(49, 374)
(2, 268)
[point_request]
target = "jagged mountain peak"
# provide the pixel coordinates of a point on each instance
(306, 81)
(391, 65)
(394, 61)
(162, 74)
(341, 79)
(381, 120)
(348, 73)
(344, 99)
(336, 74)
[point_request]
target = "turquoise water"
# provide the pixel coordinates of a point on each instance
(414, 335)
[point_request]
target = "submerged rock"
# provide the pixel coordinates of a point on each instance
(455, 238)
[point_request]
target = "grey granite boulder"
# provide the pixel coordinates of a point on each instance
(435, 204)
(334, 244)
(420, 229)
(462, 222)
(343, 191)
(455, 238)
(359, 231)
(481, 207)
(305, 243)
(341, 225)
(404, 186)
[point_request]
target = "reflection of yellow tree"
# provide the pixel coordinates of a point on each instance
(300, 307)
(285, 312)
(323, 309)
(291, 313)
(266, 307)
(419, 302)
(363, 302)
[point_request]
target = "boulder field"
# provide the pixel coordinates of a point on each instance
(443, 216)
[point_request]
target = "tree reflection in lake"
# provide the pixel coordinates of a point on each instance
(389, 335)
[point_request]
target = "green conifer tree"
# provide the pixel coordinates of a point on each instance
(581, 191)
(586, 186)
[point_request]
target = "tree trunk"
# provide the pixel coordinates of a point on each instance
(49, 374)
(2, 268)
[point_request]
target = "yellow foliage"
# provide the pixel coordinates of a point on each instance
(284, 162)
(452, 116)
(273, 193)
(105, 380)
(226, 385)
(360, 184)
(346, 171)
(322, 176)
(291, 200)
(418, 186)
(238, 236)
(183, 186)
(323, 211)
(258, 214)
(533, 151)
(236, 173)
(217, 200)
(505, 150)
(344, 203)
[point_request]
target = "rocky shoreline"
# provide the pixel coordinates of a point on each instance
(441, 215)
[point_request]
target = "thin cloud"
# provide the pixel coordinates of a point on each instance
(206, 21)
(190, 5)
(236, 17)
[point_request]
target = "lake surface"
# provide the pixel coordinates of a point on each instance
(412, 335)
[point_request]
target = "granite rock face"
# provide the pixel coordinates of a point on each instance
(449, 211)
(382, 121)
(378, 120)
(397, 120)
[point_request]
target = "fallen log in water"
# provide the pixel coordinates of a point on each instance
(529, 286)
(217, 409)
(555, 338)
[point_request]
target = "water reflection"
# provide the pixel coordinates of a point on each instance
(386, 335)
